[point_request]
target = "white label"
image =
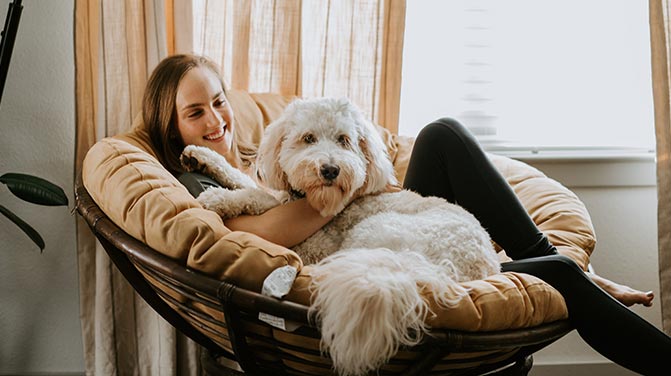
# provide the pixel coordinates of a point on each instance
(275, 321)
(279, 282)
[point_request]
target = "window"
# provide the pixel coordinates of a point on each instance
(531, 72)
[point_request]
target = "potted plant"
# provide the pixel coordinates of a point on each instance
(26, 187)
(35, 190)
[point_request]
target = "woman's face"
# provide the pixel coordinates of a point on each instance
(204, 116)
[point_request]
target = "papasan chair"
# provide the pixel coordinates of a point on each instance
(206, 280)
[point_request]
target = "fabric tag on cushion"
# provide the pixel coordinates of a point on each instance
(277, 284)
(279, 281)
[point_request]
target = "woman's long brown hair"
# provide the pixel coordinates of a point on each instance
(159, 109)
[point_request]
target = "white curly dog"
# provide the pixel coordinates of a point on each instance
(379, 253)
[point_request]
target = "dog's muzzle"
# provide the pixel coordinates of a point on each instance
(329, 171)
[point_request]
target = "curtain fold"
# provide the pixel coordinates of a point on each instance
(117, 44)
(660, 32)
(309, 48)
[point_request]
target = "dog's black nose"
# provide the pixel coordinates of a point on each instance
(329, 172)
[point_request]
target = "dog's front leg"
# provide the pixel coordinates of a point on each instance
(209, 162)
(229, 203)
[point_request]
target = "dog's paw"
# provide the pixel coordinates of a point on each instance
(222, 201)
(193, 158)
(230, 203)
(259, 201)
(281, 196)
(208, 162)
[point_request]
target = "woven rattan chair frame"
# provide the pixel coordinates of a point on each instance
(158, 279)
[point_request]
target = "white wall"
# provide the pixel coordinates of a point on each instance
(39, 306)
(621, 197)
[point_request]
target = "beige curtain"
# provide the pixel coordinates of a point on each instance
(660, 33)
(117, 43)
(308, 48)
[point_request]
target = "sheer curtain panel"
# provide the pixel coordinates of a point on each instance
(117, 43)
(661, 58)
(308, 48)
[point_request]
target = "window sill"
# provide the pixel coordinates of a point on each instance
(587, 166)
(573, 154)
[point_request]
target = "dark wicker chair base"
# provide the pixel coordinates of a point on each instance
(223, 319)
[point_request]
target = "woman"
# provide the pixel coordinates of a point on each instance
(185, 103)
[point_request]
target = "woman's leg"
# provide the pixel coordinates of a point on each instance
(604, 323)
(448, 162)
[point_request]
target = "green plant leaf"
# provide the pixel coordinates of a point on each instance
(34, 189)
(25, 227)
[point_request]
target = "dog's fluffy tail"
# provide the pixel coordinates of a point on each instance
(369, 303)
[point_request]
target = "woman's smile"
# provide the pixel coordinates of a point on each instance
(218, 135)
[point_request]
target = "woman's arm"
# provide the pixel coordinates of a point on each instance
(286, 225)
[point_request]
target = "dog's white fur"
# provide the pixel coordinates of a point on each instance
(382, 255)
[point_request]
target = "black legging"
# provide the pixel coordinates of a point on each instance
(448, 162)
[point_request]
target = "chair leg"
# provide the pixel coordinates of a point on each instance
(214, 367)
(528, 362)
(426, 362)
(520, 368)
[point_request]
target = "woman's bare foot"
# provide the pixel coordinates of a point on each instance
(625, 294)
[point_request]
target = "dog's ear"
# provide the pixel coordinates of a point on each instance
(380, 170)
(267, 162)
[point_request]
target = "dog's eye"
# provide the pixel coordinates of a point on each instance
(309, 139)
(343, 140)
